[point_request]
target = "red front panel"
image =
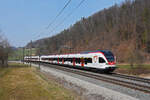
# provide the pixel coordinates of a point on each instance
(111, 63)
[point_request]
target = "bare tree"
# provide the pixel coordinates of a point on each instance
(4, 51)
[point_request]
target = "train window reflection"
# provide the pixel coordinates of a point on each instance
(101, 60)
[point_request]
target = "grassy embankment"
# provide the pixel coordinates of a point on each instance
(135, 70)
(20, 82)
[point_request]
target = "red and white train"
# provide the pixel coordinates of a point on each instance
(101, 60)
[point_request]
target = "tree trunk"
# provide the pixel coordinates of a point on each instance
(3, 62)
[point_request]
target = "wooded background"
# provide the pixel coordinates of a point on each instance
(124, 29)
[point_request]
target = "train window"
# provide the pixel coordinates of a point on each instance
(42, 59)
(77, 60)
(71, 59)
(87, 60)
(65, 59)
(60, 59)
(101, 60)
(55, 59)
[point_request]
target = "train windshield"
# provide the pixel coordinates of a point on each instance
(109, 56)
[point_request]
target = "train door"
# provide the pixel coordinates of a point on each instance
(82, 62)
(102, 62)
(62, 60)
(74, 62)
(95, 60)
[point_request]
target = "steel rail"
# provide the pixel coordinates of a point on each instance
(144, 80)
(131, 85)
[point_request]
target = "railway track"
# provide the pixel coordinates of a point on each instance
(131, 77)
(105, 78)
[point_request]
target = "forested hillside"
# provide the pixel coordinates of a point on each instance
(123, 29)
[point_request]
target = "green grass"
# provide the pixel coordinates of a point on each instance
(18, 65)
(20, 82)
(127, 66)
(18, 54)
(3, 71)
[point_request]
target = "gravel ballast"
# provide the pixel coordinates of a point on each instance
(89, 90)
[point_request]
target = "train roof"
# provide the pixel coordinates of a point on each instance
(103, 51)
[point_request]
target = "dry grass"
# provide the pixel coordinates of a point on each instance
(22, 83)
(136, 70)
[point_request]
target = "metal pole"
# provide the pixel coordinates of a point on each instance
(23, 55)
(28, 55)
(39, 61)
(31, 53)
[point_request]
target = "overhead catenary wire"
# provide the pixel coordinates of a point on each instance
(67, 16)
(59, 13)
(80, 3)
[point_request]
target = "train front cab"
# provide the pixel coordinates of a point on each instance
(105, 66)
(109, 61)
